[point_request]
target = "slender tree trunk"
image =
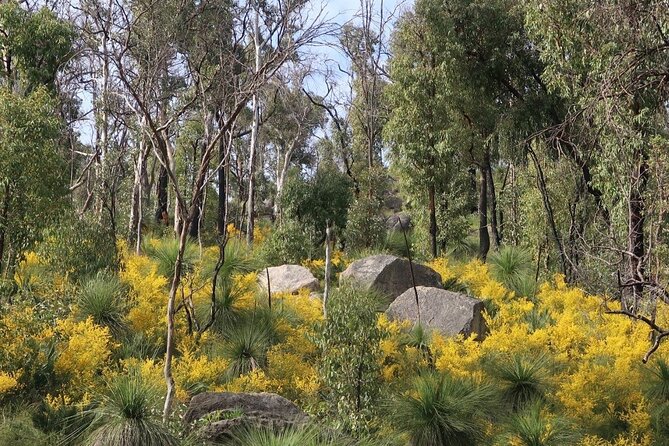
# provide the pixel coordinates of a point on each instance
(281, 180)
(492, 201)
(484, 237)
(550, 216)
(102, 134)
(161, 197)
(221, 214)
(194, 231)
(4, 217)
(328, 267)
(254, 137)
(137, 198)
(636, 234)
(169, 348)
(433, 219)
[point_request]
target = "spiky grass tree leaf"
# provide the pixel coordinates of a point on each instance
(442, 410)
(524, 379)
(657, 383)
(534, 426)
(237, 260)
(538, 319)
(308, 435)
(246, 346)
(512, 266)
(465, 248)
(165, 252)
(419, 338)
(103, 298)
(305, 436)
(125, 415)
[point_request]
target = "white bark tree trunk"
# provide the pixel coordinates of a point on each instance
(254, 136)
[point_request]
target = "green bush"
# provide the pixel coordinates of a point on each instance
(288, 243)
(536, 427)
(512, 266)
(165, 252)
(20, 430)
(366, 227)
(349, 344)
(523, 380)
(315, 201)
(79, 248)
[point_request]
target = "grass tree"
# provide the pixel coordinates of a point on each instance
(523, 380)
(443, 410)
(125, 415)
(534, 426)
(102, 298)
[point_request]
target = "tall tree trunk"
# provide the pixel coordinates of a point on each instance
(433, 219)
(4, 216)
(484, 237)
(137, 198)
(492, 202)
(254, 135)
(221, 213)
(635, 233)
(194, 231)
(161, 197)
(550, 216)
(169, 348)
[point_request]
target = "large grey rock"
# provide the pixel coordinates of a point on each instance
(288, 279)
(232, 410)
(399, 222)
(441, 310)
(389, 275)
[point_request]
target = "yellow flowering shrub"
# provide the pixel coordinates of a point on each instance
(7, 382)
(233, 232)
(83, 351)
(440, 265)
(194, 371)
(260, 233)
(244, 287)
(597, 378)
(28, 272)
(339, 262)
(476, 276)
(254, 381)
(316, 266)
(398, 361)
(24, 338)
(457, 356)
(149, 295)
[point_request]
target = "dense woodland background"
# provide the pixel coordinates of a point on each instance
(153, 154)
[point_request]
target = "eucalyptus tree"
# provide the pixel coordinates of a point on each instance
(420, 116)
(484, 80)
(101, 171)
(609, 60)
(295, 121)
(33, 175)
(287, 27)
